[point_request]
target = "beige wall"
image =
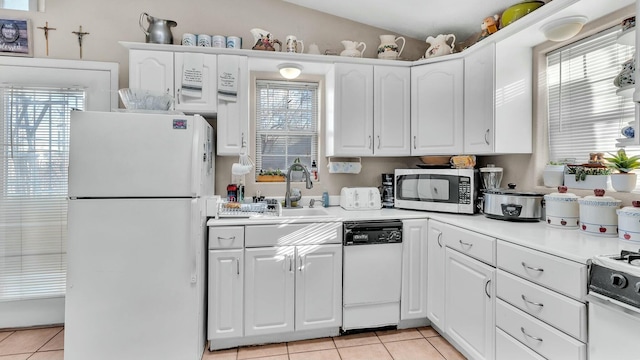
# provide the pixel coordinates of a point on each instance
(117, 20)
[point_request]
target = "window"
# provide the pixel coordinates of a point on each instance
(585, 114)
(286, 124)
(34, 147)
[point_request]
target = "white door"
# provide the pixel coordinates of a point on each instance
(391, 113)
(413, 303)
(206, 100)
(233, 114)
(435, 274)
(479, 100)
(353, 117)
(318, 286)
(139, 155)
(134, 277)
(437, 106)
(226, 285)
(152, 70)
(470, 304)
(269, 287)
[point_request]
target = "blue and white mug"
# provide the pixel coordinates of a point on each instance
(234, 42)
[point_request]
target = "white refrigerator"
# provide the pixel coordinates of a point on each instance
(136, 236)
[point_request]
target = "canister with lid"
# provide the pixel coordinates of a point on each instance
(629, 224)
(562, 209)
(598, 214)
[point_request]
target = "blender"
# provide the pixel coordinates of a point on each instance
(491, 177)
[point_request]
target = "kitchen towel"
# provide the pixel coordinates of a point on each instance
(344, 167)
(228, 71)
(192, 75)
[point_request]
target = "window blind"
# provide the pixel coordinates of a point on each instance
(34, 148)
(585, 114)
(286, 124)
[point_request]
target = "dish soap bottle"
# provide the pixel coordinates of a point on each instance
(325, 199)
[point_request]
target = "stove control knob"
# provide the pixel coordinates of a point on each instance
(618, 281)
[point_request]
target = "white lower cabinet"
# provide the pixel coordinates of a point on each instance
(413, 298)
(435, 273)
(470, 304)
(292, 288)
(226, 275)
(508, 348)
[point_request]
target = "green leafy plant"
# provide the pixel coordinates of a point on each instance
(581, 172)
(622, 163)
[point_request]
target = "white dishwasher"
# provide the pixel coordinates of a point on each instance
(372, 271)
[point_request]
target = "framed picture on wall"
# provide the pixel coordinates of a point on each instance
(15, 37)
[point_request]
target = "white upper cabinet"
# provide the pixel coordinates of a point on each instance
(437, 105)
(498, 99)
(196, 83)
(367, 110)
(391, 112)
(233, 112)
(152, 70)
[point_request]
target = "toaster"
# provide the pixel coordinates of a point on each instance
(362, 198)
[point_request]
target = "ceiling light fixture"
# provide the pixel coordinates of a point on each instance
(564, 28)
(290, 71)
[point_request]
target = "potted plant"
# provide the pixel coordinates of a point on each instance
(270, 176)
(587, 176)
(624, 180)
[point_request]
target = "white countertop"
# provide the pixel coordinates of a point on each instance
(569, 244)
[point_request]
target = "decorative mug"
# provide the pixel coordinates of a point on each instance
(204, 40)
(189, 39)
(234, 42)
(218, 41)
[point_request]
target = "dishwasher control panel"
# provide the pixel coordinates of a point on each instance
(372, 232)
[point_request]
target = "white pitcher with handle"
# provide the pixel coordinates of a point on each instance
(388, 48)
(439, 45)
(351, 48)
(291, 44)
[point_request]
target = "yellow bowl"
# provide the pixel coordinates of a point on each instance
(517, 11)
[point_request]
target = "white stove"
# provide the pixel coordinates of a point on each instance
(614, 306)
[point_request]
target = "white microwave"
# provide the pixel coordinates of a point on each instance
(444, 190)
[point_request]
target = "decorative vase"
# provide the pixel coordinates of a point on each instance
(624, 182)
(388, 48)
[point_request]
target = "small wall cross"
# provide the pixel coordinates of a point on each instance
(80, 35)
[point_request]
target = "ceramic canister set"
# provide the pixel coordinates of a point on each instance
(596, 214)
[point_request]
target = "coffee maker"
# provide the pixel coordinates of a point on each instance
(386, 191)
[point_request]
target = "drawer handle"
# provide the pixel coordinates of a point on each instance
(237, 266)
(227, 238)
(532, 268)
(531, 302)
(439, 238)
(533, 337)
(465, 244)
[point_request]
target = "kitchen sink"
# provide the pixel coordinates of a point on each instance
(305, 211)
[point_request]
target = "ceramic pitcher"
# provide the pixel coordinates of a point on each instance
(388, 48)
(262, 40)
(351, 48)
(291, 44)
(439, 45)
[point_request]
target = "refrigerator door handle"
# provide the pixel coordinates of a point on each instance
(195, 232)
(196, 160)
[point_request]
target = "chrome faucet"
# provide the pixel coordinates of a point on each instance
(287, 195)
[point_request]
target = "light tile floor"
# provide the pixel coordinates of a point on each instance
(410, 344)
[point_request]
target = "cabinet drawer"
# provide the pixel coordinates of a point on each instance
(557, 310)
(294, 234)
(538, 336)
(564, 276)
(226, 237)
(508, 348)
(476, 245)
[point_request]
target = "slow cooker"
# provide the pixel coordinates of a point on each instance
(513, 205)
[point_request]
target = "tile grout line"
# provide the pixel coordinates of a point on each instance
(48, 341)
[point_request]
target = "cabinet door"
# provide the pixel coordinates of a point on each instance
(152, 70)
(269, 290)
(202, 102)
(435, 274)
(233, 116)
(391, 112)
(413, 301)
(479, 100)
(318, 286)
(470, 304)
(437, 108)
(226, 268)
(352, 125)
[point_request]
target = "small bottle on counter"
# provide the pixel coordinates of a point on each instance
(325, 199)
(314, 171)
(232, 193)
